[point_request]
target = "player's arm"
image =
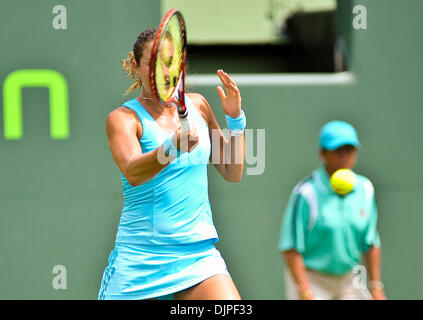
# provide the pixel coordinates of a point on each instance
(230, 170)
(123, 130)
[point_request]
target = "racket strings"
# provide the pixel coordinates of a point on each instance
(169, 58)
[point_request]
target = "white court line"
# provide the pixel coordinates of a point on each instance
(344, 78)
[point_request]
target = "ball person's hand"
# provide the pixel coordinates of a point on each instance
(306, 295)
(230, 96)
(378, 294)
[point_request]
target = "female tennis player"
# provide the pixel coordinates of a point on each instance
(164, 245)
(324, 235)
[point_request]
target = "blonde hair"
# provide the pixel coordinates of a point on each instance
(135, 56)
(128, 67)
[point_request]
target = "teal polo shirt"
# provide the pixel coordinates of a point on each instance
(330, 231)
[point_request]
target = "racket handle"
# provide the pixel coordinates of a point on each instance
(184, 123)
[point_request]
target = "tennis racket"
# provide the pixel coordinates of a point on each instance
(167, 64)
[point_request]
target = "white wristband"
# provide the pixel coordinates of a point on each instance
(170, 148)
(376, 285)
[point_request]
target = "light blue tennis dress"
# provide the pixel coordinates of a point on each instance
(165, 238)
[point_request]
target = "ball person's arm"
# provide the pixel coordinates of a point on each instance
(372, 259)
(295, 262)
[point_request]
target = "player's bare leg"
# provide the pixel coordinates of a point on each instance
(218, 287)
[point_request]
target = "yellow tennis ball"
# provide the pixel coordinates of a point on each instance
(342, 181)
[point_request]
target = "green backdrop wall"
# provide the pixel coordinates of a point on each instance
(60, 199)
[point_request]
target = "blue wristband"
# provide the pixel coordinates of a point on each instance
(236, 124)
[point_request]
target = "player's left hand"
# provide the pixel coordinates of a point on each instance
(231, 97)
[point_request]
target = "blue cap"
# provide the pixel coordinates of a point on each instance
(335, 134)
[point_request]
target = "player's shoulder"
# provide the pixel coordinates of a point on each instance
(125, 110)
(201, 105)
(120, 113)
(199, 101)
(195, 95)
(121, 117)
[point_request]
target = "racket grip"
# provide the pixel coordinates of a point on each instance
(184, 123)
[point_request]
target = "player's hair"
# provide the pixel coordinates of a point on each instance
(136, 55)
